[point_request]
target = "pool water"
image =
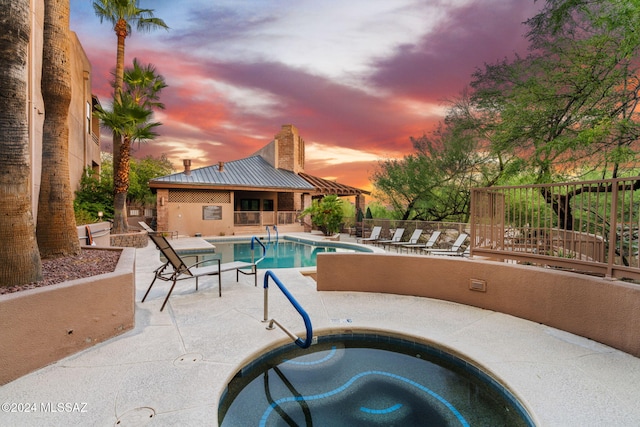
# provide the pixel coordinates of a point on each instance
(365, 381)
(283, 254)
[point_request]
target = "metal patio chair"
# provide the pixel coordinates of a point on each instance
(397, 236)
(373, 237)
(176, 269)
(428, 244)
(453, 250)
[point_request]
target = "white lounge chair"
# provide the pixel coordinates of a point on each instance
(397, 235)
(374, 236)
(454, 249)
(428, 244)
(464, 253)
(412, 240)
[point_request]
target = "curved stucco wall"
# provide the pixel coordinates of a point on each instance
(607, 311)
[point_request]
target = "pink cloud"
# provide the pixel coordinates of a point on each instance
(441, 64)
(326, 111)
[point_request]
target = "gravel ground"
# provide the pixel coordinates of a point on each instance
(88, 263)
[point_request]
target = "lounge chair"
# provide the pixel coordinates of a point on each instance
(151, 231)
(175, 268)
(374, 236)
(454, 249)
(428, 244)
(397, 235)
(464, 253)
(412, 240)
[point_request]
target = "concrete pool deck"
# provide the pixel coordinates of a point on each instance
(172, 368)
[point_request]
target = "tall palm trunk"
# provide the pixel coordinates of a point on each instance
(56, 231)
(120, 176)
(19, 257)
(121, 13)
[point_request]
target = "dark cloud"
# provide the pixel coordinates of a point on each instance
(213, 24)
(440, 65)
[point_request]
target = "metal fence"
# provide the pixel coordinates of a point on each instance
(589, 226)
(262, 218)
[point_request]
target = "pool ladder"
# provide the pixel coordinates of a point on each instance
(275, 228)
(306, 343)
(255, 240)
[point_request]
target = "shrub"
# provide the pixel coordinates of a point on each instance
(325, 214)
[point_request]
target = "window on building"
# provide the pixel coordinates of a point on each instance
(267, 205)
(250, 204)
(88, 117)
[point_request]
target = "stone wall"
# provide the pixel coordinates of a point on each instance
(130, 240)
(162, 209)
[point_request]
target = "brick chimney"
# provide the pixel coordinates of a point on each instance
(220, 166)
(289, 149)
(187, 166)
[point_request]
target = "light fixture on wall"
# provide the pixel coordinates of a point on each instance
(162, 201)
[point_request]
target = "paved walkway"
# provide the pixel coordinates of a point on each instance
(173, 367)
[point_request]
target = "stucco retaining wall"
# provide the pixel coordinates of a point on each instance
(100, 232)
(43, 325)
(607, 311)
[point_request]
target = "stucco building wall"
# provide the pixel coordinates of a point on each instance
(84, 132)
(187, 218)
(84, 129)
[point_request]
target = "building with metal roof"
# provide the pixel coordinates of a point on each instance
(244, 196)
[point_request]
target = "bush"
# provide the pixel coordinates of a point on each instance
(326, 214)
(95, 195)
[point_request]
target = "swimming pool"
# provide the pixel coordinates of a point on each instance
(365, 380)
(285, 253)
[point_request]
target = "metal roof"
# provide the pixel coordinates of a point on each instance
(249, 172)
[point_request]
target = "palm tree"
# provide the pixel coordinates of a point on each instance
(19, 257)
(122, 13)
(144, 84)
(130, 118)
(130, 122)
(56, 230)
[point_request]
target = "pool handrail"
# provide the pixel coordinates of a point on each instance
(275, 228)
(264, 250)
(305, 317)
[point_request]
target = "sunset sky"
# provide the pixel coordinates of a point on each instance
(358, 78)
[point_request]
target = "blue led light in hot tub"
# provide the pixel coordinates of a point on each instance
(366, 380)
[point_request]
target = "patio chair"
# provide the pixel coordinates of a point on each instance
(397, 235)
(428, 244)
(175, 268)
(151, 231)
(454, 249)
(375, 235)
(464, 253)
(415, 236)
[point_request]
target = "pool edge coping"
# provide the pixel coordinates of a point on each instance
(451, 354)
